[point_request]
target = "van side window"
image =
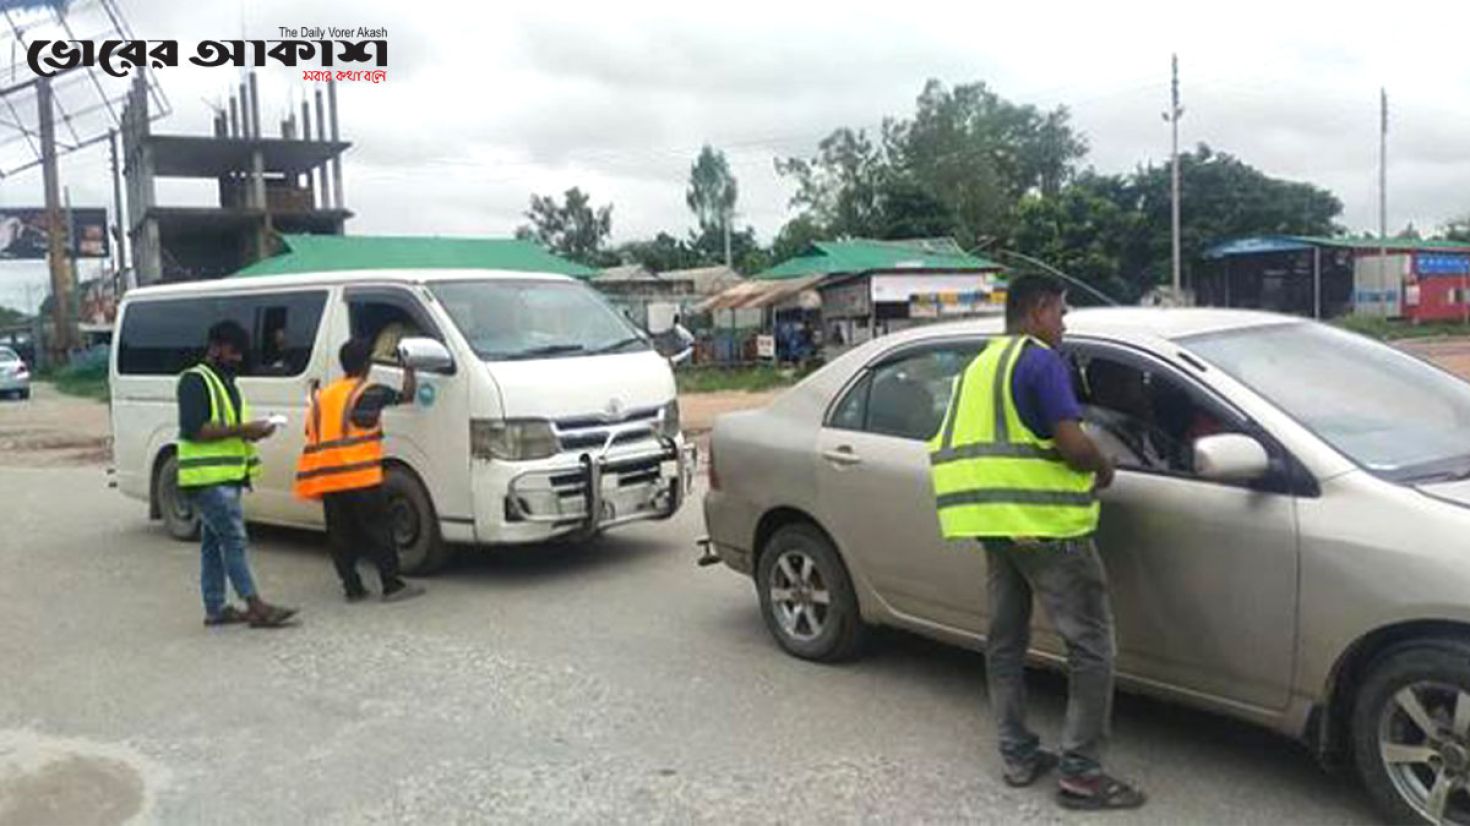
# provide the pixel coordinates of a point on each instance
(283, 330)
(384, 318)
(167, 337)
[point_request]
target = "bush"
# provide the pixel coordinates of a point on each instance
(710, 379)
(85, 376)
(1390, 329)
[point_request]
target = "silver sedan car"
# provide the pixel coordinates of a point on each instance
(1286, 537)
(15, 377)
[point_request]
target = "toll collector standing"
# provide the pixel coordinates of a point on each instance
(217, 460)
(342, 464)
(1012, 468)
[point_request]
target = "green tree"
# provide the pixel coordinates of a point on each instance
(960, 166)
(712, 190)
(1457, 230)
(573, 229)
(9, 316)
(1114, 230)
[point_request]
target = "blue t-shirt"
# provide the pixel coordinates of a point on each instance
(1041, 386)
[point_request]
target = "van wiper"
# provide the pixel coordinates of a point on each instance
(548, 350)
(618, 345)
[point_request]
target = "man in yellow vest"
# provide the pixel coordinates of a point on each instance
(342, 464)
(217, 460)
(1012, 468)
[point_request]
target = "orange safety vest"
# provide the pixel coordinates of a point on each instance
(338, 455)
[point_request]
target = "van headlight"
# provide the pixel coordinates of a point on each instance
(670, 424)
(514, 440)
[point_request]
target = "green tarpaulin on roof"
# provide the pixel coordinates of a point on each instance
(327, 253)
(829, 257)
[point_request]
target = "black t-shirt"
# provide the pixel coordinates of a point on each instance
(194, 404)
(369, 407)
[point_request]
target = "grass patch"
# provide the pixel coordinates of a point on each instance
(84, 378)
(747, 379)
(1389, 329)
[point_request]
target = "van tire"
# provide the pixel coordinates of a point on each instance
(175, 508)
(414, 524)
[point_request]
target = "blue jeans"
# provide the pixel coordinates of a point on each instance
(222, 545)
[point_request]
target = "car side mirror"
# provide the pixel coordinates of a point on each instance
(424, 354)
(1230, 457)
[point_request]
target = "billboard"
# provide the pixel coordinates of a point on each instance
(23, 233)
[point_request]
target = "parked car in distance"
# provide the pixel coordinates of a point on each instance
(15, 376)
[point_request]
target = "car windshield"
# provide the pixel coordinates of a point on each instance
(1391, 413)
(506, 320)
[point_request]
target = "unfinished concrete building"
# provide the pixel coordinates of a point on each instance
(291, 184)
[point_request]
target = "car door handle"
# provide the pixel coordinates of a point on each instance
(843, 455)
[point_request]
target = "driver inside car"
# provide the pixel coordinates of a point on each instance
(1120, 412)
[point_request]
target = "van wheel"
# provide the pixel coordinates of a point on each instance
(415, 526)
(806, 597)
(1411, 733)
(178, 512)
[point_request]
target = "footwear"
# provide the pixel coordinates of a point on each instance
(358, 595)
(1097, 792)
(229, 615)
(403, 591)
(271, 616)
(1022, 773)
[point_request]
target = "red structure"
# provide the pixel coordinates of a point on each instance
(1437, 286)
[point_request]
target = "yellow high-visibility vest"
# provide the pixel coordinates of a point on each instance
(223, 461)
(993, 477)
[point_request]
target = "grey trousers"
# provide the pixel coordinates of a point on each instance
(1067, 577)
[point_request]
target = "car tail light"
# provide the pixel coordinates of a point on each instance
(22, 371)
(714, 474)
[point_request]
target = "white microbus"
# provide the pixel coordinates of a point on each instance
(541, 412)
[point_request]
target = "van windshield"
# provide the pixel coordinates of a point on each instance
(508, 320)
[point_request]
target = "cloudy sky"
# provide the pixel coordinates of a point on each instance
(488, 103)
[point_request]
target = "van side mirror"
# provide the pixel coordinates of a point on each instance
(1230, 457)
(424, 354)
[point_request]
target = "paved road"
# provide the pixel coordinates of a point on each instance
(600, 684)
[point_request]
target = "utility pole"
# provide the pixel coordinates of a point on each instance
(1172, 116)
(1383, 192)
(728, 215)
(61, 337)
(119, 258)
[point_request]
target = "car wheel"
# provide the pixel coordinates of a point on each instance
(178, 512)
(1411, 733)
(414, 524)
(24, 394)
(806, 596)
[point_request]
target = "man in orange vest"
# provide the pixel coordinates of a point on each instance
(342, 464)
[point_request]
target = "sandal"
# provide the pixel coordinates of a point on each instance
(1022, 773)
(229, 615)
(1097, 793)
(272, 617)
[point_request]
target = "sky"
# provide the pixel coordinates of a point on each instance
(488, 103)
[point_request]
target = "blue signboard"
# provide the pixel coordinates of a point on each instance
(1441, 263)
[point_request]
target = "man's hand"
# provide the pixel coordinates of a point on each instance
(1081, 453)
(1104, 474)
(256, 430)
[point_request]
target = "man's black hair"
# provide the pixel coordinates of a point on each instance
(356, 356)
(1028, 292)
(230, 333)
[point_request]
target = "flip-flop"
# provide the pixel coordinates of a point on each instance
(229, 615)
(1111, 794)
